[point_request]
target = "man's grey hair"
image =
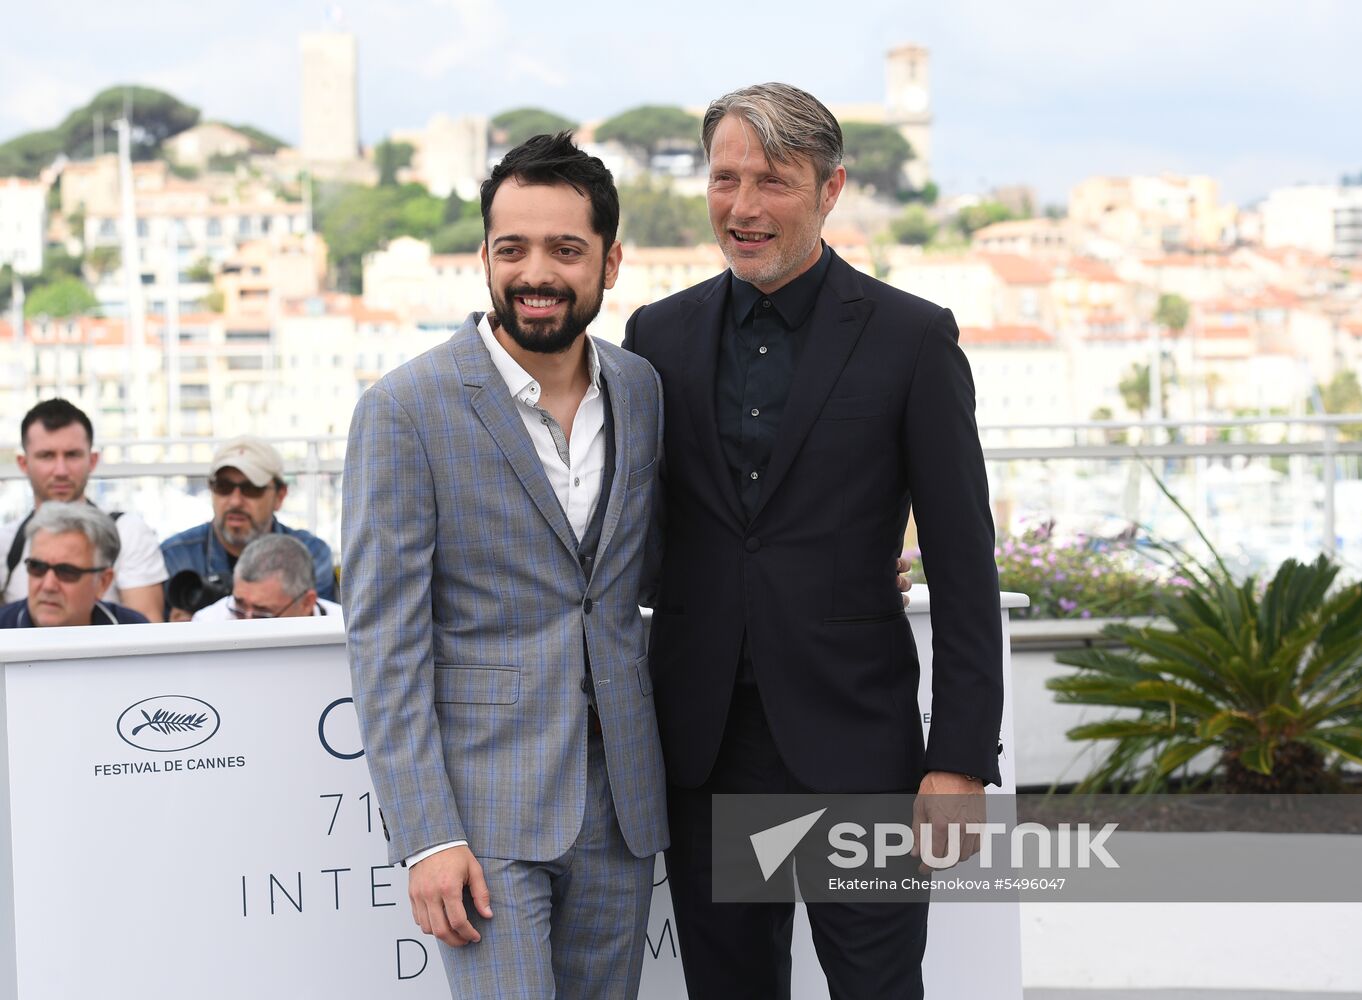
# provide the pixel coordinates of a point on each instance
(790, 124)
(58, 518)
(277, 555)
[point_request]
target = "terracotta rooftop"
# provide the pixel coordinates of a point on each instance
(1010, 335)
(338, 304)
(1015, 270)
(1093, 270)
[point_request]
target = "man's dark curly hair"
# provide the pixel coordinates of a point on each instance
(554, 159)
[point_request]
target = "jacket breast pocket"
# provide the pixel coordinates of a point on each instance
(459, 684)
(853, 407)
(640, 476)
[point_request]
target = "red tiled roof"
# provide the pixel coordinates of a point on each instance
(1015, 270)
(1233, 332)
(1004, 335)
(1093, 270)
(339, 304)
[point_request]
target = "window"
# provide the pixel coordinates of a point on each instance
(214, 228)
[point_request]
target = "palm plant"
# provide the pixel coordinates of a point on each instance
(1267, 677)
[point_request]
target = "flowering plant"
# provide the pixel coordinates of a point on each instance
(1079, 576)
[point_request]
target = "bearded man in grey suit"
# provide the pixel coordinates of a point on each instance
(497, 494)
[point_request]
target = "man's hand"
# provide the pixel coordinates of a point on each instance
(902, 567)
(944, 800)
(436, 884)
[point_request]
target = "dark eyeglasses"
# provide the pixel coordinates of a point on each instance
(245, 611)
(66, 573)
(226, 487)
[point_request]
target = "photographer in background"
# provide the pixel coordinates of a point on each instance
(246, 478)
(273, 579)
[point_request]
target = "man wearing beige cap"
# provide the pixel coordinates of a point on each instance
(246, 479)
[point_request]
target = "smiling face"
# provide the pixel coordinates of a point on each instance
(58, 463)
(547, 270)
(52, 602)
(766, 216)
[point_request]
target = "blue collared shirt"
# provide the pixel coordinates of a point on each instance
(200, 550)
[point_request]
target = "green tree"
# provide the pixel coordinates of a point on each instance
(57, 263)
(874, 155)
(103, 260)
(1134, 389)
(66, 296)
(926, 195)
(390, 157)
(155, 115)
(226, 163)
(1172, 312)
(459, 236)
(913, 226)
(653, 215)
(201, 271)
(6, 290)
(26, 155)
(519, 124)
(1343, 394)
(650, 126)
(261, 141)
(356, 220)
(972, 218)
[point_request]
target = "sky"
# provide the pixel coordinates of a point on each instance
(1258, 93)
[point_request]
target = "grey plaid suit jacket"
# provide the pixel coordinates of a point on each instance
(465, 607)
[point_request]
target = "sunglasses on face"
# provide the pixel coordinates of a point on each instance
(226, 487)
(66, 573)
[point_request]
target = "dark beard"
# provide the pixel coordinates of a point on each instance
(546, 339)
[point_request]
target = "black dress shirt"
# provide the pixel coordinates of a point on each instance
(758, 351)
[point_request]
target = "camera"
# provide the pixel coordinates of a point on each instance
(189, 592)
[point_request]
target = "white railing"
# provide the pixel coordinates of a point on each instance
(1263, 487)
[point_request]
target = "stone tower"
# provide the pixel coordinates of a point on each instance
(908, 106)
(330, 97)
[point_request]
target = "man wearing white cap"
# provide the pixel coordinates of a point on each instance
(246, 479)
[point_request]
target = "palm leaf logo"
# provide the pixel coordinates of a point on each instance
(171, 722)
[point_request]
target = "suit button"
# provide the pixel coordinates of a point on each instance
(586, 688)
(752, 544)
(586, 605)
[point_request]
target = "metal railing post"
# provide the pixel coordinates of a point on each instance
(314, 483)
(1330, 476)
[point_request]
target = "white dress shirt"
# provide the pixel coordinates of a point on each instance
(574, 464)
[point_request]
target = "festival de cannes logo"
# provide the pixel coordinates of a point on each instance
(168, 723)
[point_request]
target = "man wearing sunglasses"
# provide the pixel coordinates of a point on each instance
(246, 481)
(72, 550)
(273, 579)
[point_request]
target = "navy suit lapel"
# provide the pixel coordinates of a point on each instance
(702, 325)
(493, 404)
(839, 316)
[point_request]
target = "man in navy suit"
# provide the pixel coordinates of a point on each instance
(808, 407)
